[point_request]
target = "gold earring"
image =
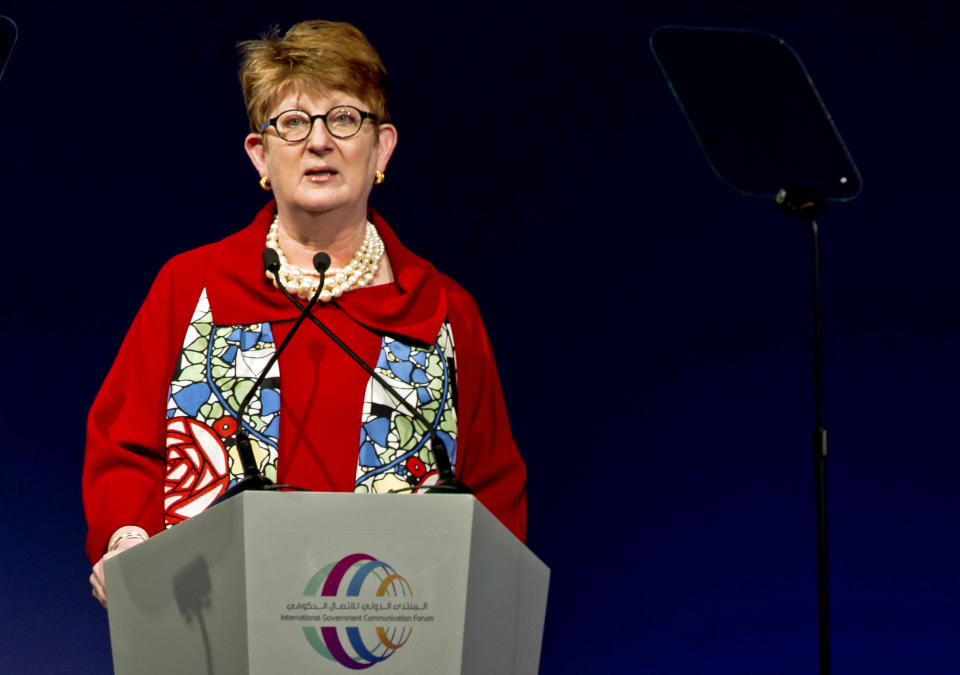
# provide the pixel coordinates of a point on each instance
(379, 177)
(265, 183)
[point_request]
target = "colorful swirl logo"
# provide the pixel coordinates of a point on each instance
(359, 643)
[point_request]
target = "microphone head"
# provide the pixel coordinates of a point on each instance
(321, 262)
(271, 261)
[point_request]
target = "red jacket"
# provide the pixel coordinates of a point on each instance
(322, 389)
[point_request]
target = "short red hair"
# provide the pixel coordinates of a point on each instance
(313, 57)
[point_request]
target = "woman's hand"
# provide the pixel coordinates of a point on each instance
(125, 537)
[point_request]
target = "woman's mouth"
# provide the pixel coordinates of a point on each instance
(320, 175)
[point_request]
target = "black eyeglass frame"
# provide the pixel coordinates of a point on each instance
(364, 115)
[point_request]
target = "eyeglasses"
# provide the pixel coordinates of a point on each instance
(343, 121)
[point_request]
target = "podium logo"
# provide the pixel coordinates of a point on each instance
(363, 612)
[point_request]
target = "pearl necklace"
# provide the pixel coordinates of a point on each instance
(359, 272)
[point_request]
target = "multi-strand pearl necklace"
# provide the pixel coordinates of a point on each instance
(358, 273)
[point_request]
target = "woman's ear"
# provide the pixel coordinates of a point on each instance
(257, 152)
(386, 142)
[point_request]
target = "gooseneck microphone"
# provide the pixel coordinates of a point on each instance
(447, 481)
(253, 478)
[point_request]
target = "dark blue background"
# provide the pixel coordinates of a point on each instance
(652, 327)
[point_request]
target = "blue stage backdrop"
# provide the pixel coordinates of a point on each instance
(652, 327)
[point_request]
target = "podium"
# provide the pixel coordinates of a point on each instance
(269, 583)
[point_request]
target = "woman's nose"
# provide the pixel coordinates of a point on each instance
(319, 138)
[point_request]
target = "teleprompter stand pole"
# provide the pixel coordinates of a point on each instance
(766, 132)
(808, 204)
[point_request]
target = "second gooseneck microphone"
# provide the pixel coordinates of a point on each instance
(253, 478)
(447, 481)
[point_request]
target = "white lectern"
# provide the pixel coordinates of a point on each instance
(269, 583)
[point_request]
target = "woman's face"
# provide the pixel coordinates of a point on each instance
(323, 174)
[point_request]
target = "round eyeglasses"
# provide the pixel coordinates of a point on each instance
(343, 121)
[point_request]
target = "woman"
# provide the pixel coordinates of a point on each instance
(160, 437)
